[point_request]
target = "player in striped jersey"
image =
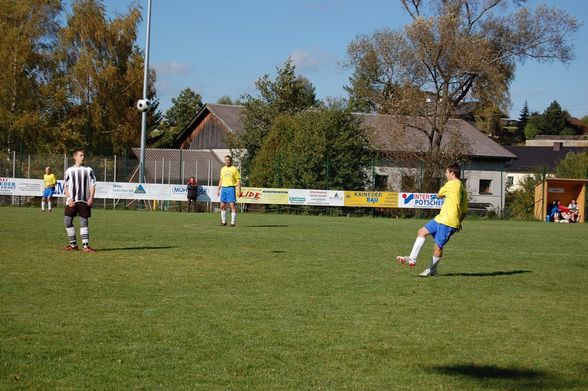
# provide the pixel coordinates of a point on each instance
(79, 190)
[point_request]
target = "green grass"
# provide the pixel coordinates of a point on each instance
(174, 301)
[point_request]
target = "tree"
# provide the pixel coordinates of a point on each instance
(28, 30)
(451, 52)
(523, 118)
(317, 149)
(286, 94)
(554, 120)
(574, 165)
(225, 100)
(183, 109)
(101, 72)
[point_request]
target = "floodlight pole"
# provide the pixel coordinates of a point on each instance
(145, 81)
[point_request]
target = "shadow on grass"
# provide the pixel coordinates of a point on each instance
(507, 378)
(136, 248)
(488, 274)
(269, 226)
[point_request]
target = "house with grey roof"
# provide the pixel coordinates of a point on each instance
(484, 173)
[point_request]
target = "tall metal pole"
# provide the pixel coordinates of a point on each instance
(145, 81)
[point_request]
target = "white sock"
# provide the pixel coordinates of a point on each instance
(49, 205)
(416, 248)
(42, 205)
(434, 263)
(85, 234)
(224, 216)
(71, 235)
(233, 217)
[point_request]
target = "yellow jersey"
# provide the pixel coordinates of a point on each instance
(50, 180)
(229, 176)
(455, 203)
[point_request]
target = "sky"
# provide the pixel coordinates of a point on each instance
(220, 48)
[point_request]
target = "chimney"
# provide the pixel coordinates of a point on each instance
(557, 146)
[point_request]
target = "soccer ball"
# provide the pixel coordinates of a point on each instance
(143, 105)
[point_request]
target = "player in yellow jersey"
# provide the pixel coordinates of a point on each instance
(445, 224)
(50, 182)
(229, 186)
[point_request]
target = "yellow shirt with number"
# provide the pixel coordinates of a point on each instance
(50, 180)
(229, 176)
(455, 203)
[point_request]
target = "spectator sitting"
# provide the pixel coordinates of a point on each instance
(574, 211)
(554, 214)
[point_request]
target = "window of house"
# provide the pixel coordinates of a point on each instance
(381, 182)
(485, 186)
(509, 181)
(408, 183)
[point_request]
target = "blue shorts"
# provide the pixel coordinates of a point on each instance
(48, 192)
(228, 195)
(440, 232)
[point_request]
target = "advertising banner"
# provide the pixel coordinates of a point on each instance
(371, 199)
(249, 195)
(419, 201)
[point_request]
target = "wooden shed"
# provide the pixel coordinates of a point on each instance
(564, 190)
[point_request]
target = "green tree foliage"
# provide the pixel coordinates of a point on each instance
(286, 94)
(520, 203)
(452, 51)
(523, 119)
(313, 149)
(225, 100)
(28, 30)
(554, 120)
(183, 109)
(100, 76)
(574, 165)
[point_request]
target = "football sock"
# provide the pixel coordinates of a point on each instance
(233, 217)
(71, 234)
(49, 205)
(85, 234)
(434, 263)
(224, 216)
(43, 206)
(416, 248)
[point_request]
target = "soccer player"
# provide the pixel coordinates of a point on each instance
(229, 180)
(50, 183)
(445, 224)
(79, 190)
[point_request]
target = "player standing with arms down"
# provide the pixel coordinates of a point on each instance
(230, 179)
(445, 224)
(50, 182)
(79, 190)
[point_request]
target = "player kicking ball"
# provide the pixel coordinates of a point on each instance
(445, 224)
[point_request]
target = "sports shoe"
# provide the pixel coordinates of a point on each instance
(69, 247)
(88, 249)
(232, 224)
(428, 273)
(406, 260)
(223, 224)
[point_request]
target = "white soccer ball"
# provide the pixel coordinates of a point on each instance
(143, 105)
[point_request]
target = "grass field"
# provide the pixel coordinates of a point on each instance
(281, 302)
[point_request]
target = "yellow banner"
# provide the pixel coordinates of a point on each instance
(371, 199)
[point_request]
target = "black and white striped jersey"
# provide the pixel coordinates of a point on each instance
(78, 180)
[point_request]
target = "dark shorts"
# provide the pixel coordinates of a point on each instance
(79, 209)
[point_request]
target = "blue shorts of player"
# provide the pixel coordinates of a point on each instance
(440, 232)
(48, 192)
(228, 195)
